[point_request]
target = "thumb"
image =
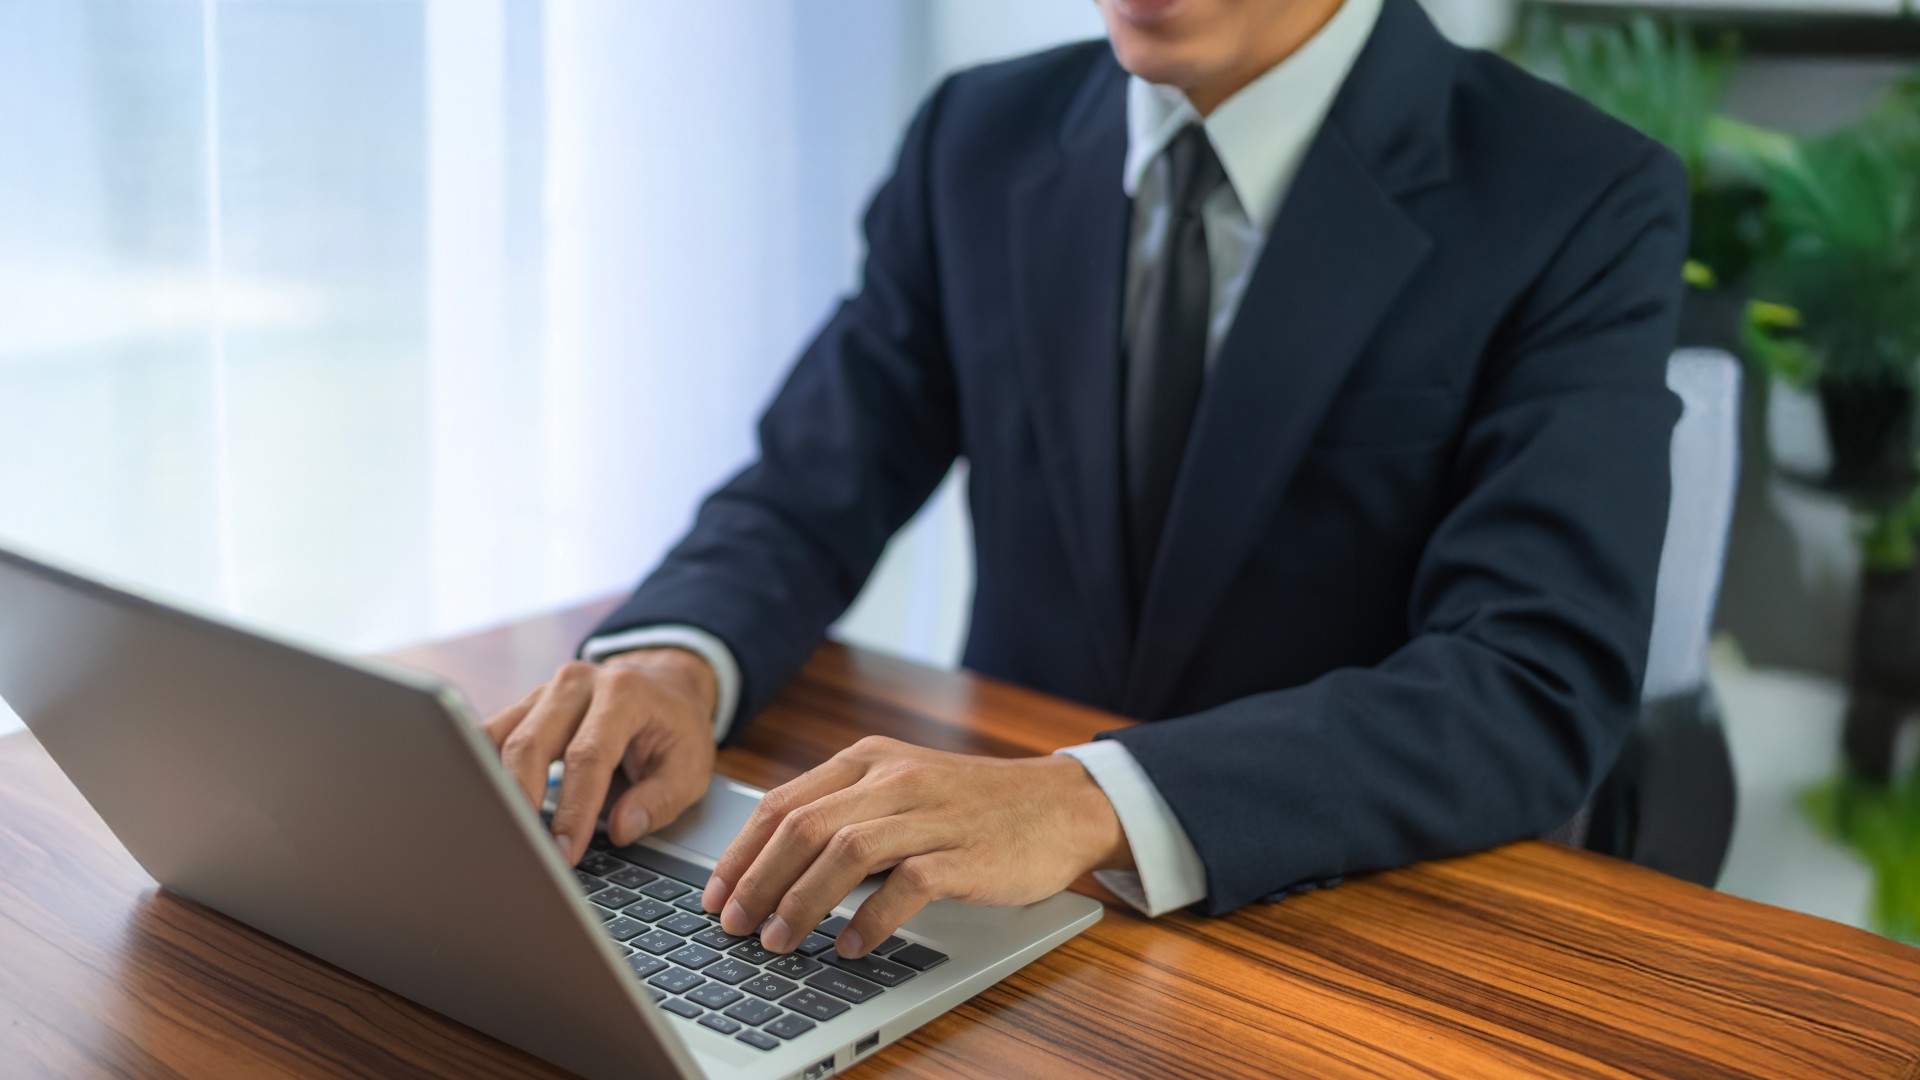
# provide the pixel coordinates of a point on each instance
(676, 782)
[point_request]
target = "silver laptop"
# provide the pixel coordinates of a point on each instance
(357, 813)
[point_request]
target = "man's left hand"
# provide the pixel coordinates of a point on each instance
(981, 830)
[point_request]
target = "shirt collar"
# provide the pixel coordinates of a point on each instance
(1261, 132)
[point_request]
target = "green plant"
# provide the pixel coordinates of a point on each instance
(1897, 118)
(1657, 78)
(1836, 308)
(1844, 253)
(1881, 825)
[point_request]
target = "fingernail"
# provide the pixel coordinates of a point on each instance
(715, 892)
(774, 935)
(735, 920)
(565, 844)
(850, 945)
(637, 822)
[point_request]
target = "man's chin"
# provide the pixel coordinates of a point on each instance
(1157, 63)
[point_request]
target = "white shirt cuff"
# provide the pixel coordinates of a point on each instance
(1167, 871)
(726, 670)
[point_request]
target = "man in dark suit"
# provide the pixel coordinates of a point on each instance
(1310, 372)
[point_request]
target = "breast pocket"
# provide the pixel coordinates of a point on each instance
(1385, 419)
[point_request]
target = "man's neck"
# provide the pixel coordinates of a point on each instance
(1293, 27)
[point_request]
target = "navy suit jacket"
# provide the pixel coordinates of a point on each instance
(1402, 604)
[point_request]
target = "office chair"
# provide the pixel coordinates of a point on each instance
(1668, 802)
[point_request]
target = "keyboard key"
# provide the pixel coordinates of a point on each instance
(588, 883)
(605, 915)
(599, 863)
(771, 987)
(840, 985)
(714, 996)
(631, 877)
(693, 956)
(683, 924)
(615, 897)
(730, 971)
(874, 969)
(646, 908)
(660, 862)
(790, 1026)
(676, 980)
(815, 945)
(719, 1023)
(918, 957)
(752, 953)
(793, 967)
(833, 926)
(715, 938)
(658, 942)
(644, 965)
(623, 928)
(756, 1040)
(888, 945)
(691, 903)
(753, 1012)
(664, 889)
(657, 995)
(681, 1008)
(819, 1006)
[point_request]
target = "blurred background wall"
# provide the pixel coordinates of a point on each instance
(379, 320)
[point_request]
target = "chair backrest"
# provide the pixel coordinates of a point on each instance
(1706, 474)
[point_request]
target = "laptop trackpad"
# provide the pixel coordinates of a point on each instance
(712, 823)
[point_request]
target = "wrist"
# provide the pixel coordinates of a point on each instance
(1100, 840)
(681, 670)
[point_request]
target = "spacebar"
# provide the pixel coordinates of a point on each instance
(662, 863)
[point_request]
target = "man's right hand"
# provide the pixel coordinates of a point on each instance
(646, 713)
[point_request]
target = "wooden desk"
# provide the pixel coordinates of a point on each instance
(1529, 960)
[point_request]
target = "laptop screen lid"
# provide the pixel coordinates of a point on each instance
(349, 810)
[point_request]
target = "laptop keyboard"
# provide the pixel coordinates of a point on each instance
(649, 903)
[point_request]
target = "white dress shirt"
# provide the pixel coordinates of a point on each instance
(1260, 134)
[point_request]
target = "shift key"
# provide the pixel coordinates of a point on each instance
(844, 986)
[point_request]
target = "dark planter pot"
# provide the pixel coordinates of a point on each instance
(1886, 669)
(1870, 427)
(1864, 447)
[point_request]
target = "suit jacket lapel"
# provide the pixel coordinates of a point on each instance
(1339, 252)
(1070, 220)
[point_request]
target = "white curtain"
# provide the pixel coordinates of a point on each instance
(380, 320)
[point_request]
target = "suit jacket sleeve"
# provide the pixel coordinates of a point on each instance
(1529, 614)
(853, 443)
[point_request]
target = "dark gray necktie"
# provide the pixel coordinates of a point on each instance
(1167, 350)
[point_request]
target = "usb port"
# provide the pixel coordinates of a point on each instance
(872, 1040)
(818, 1069)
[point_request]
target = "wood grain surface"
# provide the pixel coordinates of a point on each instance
(1529, 960)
